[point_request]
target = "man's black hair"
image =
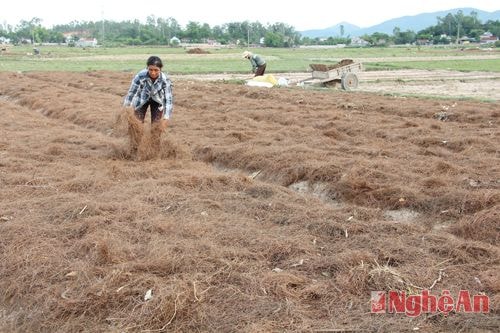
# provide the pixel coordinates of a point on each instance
(155, 61)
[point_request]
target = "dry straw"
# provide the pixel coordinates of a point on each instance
(256, 211)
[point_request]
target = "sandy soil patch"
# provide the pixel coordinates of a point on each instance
(480, 85)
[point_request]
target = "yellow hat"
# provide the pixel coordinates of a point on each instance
(247, 54)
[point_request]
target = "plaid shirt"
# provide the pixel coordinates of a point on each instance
(143, 88)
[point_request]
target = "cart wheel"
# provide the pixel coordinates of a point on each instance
(349, 81)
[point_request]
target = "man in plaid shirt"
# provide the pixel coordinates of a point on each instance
(151, 88)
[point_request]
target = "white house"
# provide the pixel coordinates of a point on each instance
(86, 42)
(175, 41)
(4, 40)
(357, 41)
(487, 38)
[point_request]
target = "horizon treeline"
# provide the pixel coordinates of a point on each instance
(161, 31)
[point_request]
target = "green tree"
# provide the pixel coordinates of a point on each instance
(402, 38)
(493, 27)
(235, 31)
(195, 32)
(219, 34)
(274, 39)
(378, 39)
(286, 33)
(459, 25)
(26, 29)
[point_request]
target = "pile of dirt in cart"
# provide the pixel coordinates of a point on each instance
(258, 210)
(197, 50)
(325, 68)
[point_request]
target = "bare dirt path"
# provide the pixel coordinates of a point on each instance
(481, 85)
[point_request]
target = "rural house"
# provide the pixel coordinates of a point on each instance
(86, 42)
(487, 38)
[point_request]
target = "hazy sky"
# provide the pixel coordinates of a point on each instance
(303, 15)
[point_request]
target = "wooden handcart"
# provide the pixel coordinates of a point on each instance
(345, 73)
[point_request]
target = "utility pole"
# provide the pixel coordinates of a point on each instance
(457, 21)
(248, 35)
(102, 20)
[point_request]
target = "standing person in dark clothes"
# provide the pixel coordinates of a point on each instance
(258, 63)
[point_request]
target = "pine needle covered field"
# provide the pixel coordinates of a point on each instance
(259, 210)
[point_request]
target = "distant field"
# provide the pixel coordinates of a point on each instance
(228, 60)
(465, 65)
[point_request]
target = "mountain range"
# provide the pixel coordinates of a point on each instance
(414, 23)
